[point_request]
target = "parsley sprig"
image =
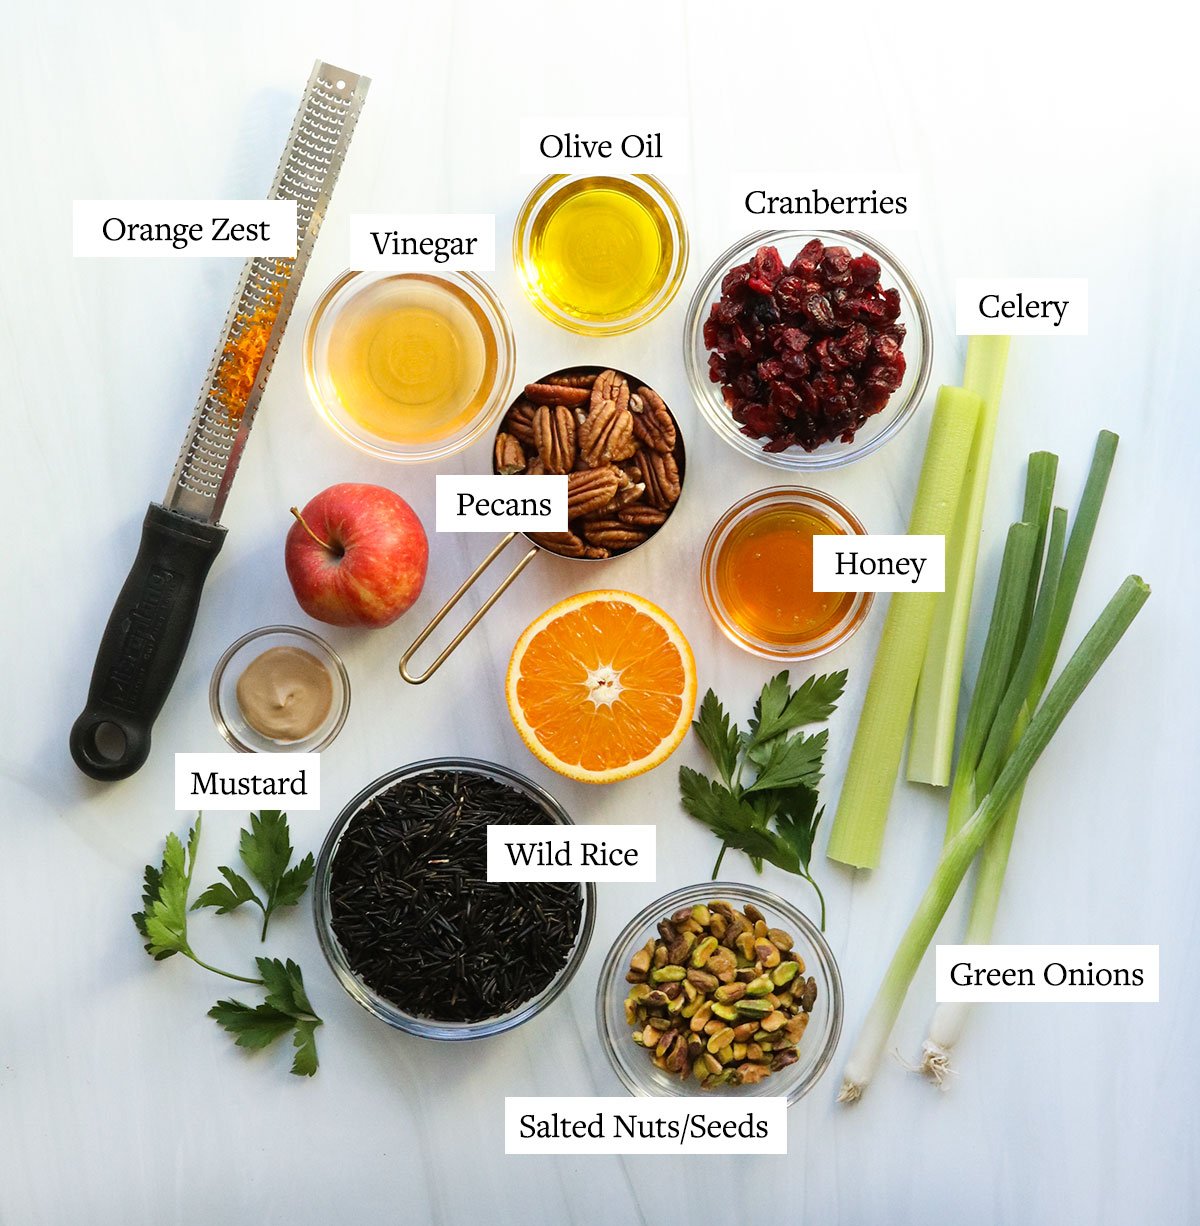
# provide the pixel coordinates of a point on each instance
(163, 921)
(774, 816)
(266, 851)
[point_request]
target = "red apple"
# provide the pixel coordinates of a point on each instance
(356, 556)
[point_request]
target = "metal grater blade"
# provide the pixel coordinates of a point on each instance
(307, 173)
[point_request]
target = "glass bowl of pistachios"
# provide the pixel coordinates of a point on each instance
(721, 988)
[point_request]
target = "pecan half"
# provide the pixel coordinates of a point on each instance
(607, 432)
(596, 551)
(509, 455)
(519, 422)
(661, 475)
(612, 534)
(557, 393)
(653, 425)
(641, 516)
(590, 490)
(570, 379)
(554, 437)
(610, 386)
(565, 543)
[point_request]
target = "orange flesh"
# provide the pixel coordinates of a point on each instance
(602, 686)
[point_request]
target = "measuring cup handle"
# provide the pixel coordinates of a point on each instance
(439, 617)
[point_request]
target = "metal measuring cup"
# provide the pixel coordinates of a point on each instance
(536, 546)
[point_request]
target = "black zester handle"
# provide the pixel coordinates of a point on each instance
(144, 642)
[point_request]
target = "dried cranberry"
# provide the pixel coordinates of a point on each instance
(817, 308)
(809, 257)
(766, 265)
(735, 278)
(864, 271)
(805, 356)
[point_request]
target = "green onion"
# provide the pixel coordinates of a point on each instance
(949, 1019)
(958, 853)
(857, 834)
(936, 711)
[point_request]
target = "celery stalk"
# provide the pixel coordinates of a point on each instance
(857, 834)
(958, 853)
(936, 712)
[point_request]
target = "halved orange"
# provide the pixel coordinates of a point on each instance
(602, 686)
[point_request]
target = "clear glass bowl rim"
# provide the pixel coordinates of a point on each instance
(612, 979)
(378, 1005)
(529, 211)
(309, 639)
(707, 396)
(506, 364)
(788, 494)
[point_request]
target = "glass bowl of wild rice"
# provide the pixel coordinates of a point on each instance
(408, 921)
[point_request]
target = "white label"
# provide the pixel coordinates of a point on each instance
(828, 200)
(1021, 306)
(571, 853)
(145, 228)
(501, 504)
(423, 242)
(645, 1126)
(567, 144)
(1048, 974)
(228, 781)
(879, 563)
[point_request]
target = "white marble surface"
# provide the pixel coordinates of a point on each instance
(1036, 151)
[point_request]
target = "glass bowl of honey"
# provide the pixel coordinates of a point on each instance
(409, 366)
(757, 575)
(600, 254)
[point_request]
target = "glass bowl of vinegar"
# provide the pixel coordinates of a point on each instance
(600, 254)
(409, 366)
(757, 578)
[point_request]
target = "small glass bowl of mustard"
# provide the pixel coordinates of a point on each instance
(600, 254)
(279, 689)
(757, 579)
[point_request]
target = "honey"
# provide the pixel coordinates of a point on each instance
(602, 250)
(758, 575)
(412, 358)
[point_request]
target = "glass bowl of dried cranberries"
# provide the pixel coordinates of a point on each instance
(807, 349)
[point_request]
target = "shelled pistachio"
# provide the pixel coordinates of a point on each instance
(719, 996)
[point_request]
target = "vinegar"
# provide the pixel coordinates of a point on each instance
(411, 358)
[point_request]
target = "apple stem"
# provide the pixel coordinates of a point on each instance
(304, 524)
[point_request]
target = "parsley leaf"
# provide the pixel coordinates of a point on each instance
(790, 761)
(227, 897)
(774, 818)
(780, 709)
(163, 918)
(266, 850)
(720, 737)
(285, 1009)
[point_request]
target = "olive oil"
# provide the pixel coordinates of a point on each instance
(764, 577)
(412, 358)
(600, 249)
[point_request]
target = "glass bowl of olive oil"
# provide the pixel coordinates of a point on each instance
(409, 366)
(757, 575)
(600, 254)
